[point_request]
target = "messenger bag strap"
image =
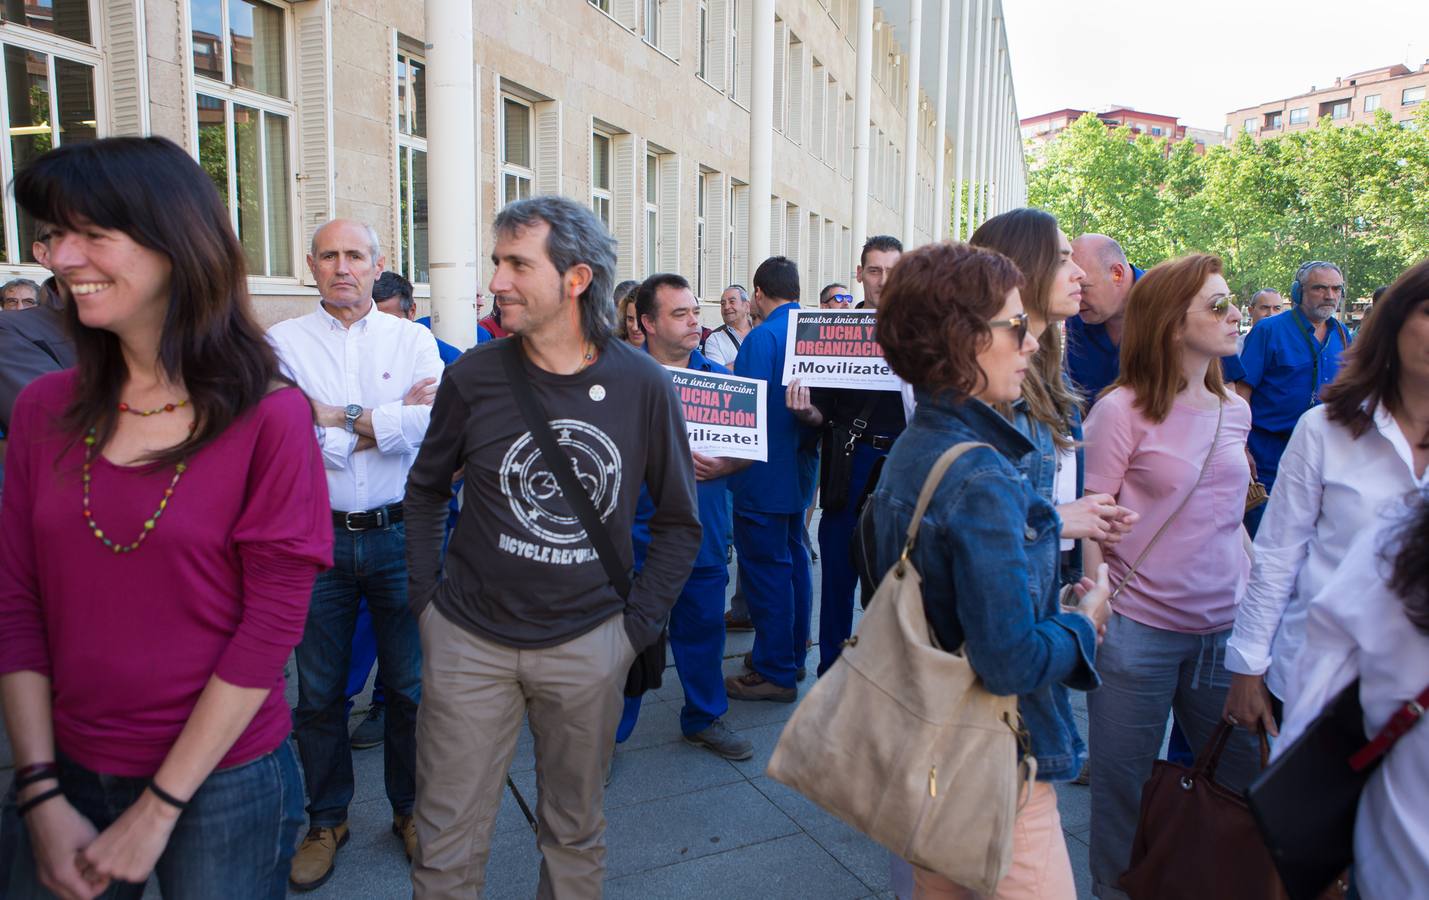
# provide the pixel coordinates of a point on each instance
(1215, 439)
(562, 467)
(930, 487)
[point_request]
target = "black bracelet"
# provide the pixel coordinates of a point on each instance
(168, 798)
(24, 781)
(36, 800)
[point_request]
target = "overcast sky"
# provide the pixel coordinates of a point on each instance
(1200, 60)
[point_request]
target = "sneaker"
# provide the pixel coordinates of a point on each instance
(405, 827)
(718, 739)
(734, 623)
(315, 860)
(369, 731)
(752, 686)
(799, 674)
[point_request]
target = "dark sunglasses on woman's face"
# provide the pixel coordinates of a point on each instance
(1017, 323)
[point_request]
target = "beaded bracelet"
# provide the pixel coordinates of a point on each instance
(168, 798)
(36, 800)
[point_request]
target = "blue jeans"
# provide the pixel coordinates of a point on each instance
(236, 839)
(1146, 674)
(697, 642)
(371, 564)
(774, 566)
(840, 578)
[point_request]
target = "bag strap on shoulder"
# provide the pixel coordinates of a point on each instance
(930, 487)
(562, 467)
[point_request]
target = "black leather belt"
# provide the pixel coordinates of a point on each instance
(877, 441)
(368, 519)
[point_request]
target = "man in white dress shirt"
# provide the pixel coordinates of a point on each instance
(371, 378)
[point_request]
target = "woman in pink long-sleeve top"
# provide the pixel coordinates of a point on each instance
(164, 518)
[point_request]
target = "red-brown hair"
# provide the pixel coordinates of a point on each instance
(1150, 351)
(934, 312)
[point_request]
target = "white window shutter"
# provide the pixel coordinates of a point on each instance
(740, 266)
(781, 75)
(715, 229)
(817, 82)
(743, 25)
(794, 243)
(624, 204)
(670, 207)
(670, 27)
(123, 22)
(317, 173)
(776, 229)
(548, 147)
(794, 127)
(625, 12)
(717, 60)
(831, 123)
(816, 254)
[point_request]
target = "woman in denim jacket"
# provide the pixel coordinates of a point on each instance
(951, 324)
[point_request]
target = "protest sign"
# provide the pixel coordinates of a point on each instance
(724, 414)
(836, 349)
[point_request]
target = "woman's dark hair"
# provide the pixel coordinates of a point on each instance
(1370, 376)
(1411, 562)
(934, 312)
(154, 192)
(1031, 238)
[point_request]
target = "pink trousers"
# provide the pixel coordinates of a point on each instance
(1041, 869)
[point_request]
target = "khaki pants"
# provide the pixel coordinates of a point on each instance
(474, 693)
(1041, 868)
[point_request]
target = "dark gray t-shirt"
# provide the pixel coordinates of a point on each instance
(520, 570)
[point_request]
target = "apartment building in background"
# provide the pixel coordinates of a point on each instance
(1351, 100)
(301, 111)
(1038, 130)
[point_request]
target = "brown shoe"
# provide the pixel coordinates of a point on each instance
(734, 623)
(406, 829)
(752, 686)
(313, 864)
(799, 674)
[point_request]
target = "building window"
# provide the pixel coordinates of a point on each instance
(652, 23)
(1340, 110)
(244, 123)
(600, 177)
(412, 243)
(1300, 115)
(602, 5)
(1156, 131)
(703, 66)
(1249, 125)
(1371, 102)
(701, 205)
(652, 213)
(66, 20)
(51, 102)
(1272, 121)
(1412, 96)
(517, 143)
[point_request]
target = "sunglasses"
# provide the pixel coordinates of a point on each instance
(1017, 323)
(840, 298)
(1221, 306)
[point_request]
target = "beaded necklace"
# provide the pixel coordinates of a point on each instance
(150, 523)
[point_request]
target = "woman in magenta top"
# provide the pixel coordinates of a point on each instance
(1167, 417)
(165, 516)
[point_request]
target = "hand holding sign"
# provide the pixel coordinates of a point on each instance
(796, 397)
(724, 416)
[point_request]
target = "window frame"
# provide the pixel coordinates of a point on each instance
(650, 14)
(267, 105)
(1378, 101)
(1300, 115)
(702, 28)
(408, 145)
(606, 193)
(651, 221)
(33, 40)
(701, 205)
(1337, 106)
(511, 169)
(1404, 95)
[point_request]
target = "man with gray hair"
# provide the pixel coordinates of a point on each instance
(722, 345)
(371, 379)
(521, 619)
(19, 293)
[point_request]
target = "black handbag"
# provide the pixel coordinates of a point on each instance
(836, 465)
(647, 672)
(1305, 802)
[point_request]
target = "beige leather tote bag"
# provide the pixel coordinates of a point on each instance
(900, 739)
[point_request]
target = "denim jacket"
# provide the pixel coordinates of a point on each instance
(987, 554)
(1040, 467)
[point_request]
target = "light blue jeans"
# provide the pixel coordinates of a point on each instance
(1146, 673)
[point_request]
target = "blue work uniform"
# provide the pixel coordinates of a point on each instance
(769, 502)
(697, 619)
(1286, 368)
(885, 421)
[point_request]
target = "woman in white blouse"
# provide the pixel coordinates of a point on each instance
(1381, 638)
(1348, 461)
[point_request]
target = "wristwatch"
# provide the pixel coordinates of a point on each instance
(353, 411)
